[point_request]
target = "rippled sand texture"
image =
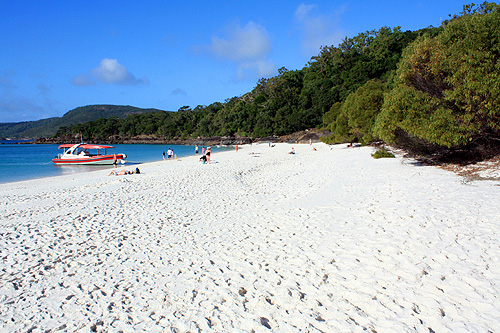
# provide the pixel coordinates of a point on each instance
(321, 241)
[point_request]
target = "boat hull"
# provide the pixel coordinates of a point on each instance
(92, 160)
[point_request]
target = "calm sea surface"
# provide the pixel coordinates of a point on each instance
(29, 161)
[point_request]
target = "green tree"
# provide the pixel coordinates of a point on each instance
(362, 108)
(355, 118)
(332, 114)
(447, 89)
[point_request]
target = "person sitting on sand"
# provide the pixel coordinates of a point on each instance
(203, 159)
(292, 151)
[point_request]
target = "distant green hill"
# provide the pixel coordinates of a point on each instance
(49, 126)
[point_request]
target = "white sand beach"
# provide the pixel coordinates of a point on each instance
(330, 240)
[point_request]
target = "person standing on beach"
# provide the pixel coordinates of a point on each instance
(164, 155)
(208, 153)
(236, 148)
(203, 150)
(196, 149)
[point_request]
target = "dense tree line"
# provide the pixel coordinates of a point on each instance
(421, 90)
(293, 100)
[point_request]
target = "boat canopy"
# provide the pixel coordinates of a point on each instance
(85, 146)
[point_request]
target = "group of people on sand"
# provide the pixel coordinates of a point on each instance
(205, 154)
(169, 155)
(122, 172)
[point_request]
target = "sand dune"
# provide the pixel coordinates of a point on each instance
(259, 240)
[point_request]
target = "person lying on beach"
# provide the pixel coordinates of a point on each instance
(119, 172)
(123, 172)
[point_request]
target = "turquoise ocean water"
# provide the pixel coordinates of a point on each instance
(29, 161)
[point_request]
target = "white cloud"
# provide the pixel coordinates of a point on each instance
(260, 67)
(317, 30)
(110, 71)
(243, 44)
(303, 11)
(247, 47)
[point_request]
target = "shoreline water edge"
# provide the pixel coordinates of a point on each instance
(30, 161)
(324, 240)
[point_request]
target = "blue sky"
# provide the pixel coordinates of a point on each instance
(59, 55)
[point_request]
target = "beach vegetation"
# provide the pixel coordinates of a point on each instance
(447, 87)
(382, 153)
(355, 118)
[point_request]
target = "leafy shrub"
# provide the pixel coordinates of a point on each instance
(382, 153)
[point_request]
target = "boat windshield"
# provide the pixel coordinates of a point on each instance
(79, 151)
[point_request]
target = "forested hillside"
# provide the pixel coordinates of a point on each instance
(428, 91)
